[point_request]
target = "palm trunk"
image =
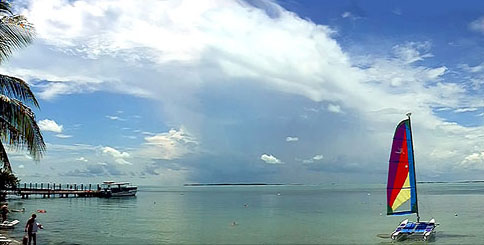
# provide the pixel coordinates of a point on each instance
(4, 158)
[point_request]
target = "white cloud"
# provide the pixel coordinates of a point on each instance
(313, 159)
(118, 156)
(21, 166)
(114, 153)
(270, 159)
(82, 159)
(318, 157)
(170, 145)
(291, 139)
(144, 48)
(115, 118)
(474, 160)
(346, 14)
(473, 69)
(334, 108)
(465, 109)
(50, 125)
(477, 25)
(349, 15)
(412, 51)
(122, 161)
(179, 35)
(63, 136)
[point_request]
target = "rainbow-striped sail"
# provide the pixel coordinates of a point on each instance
(401, 186)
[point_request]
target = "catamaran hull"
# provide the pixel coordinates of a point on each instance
(403, 237)
(414, 230)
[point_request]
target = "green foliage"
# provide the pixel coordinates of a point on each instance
(18, 127)
(8, 180)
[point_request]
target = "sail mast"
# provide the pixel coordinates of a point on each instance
(415, 173)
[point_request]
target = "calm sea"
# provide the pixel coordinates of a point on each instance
(262, 214)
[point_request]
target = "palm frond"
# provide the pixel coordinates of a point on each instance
(19, 128)
(17, 88)
(5, 7)
(15, 33)
(8, 180)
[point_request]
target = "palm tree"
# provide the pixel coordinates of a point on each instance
(18, 128)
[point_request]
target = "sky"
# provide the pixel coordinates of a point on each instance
(210, 91)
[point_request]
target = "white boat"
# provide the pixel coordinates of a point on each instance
(117, 189)
(8, 224)
(402, 186)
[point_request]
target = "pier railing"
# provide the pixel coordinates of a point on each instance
(52, 189)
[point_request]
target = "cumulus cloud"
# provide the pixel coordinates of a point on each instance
(474, 160)
(118, 156)
(180, 35)
(170, 145)
(477, 25)
(291, 139)
(334, 108)
(144, 48)
(270, 159)
(50, 125)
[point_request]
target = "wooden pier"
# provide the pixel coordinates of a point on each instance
(46, 190)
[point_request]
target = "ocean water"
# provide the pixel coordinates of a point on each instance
(330, 214)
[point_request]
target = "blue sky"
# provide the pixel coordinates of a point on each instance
(173, 92)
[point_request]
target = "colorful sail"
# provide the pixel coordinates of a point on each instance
(401, 187)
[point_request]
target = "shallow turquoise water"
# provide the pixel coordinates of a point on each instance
(274, 214)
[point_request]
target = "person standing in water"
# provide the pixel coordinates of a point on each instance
(31, 229)
(4, 211)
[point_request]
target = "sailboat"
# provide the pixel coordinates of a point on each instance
(402, 186)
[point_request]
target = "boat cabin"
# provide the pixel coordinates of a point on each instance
(112, 189)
